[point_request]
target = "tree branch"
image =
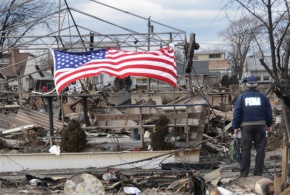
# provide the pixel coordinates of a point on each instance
(267, 68)
(287, 54)
(253, 13)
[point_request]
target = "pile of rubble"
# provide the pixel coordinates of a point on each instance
(220, 177)
(27, 131)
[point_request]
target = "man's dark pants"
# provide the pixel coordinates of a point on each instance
(256, 133)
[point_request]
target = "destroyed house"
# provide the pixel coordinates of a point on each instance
(21, 64)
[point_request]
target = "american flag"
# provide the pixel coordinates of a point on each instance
(71, 66)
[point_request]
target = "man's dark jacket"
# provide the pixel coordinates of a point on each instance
(252, 106)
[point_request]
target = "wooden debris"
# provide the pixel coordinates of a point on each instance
(178, 183)
(67, 109)
(212, 175)
(112, 186)
(17, 129)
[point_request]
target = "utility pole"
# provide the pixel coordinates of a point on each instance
(189, 51)
(150, 30)
(91, 79)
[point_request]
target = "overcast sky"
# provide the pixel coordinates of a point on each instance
(205, 18)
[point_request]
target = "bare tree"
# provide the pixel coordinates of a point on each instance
(274, 16)
(240, 35)
(18, 17)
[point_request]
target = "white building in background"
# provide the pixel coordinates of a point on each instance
(216, 61)
(253, 67)
(217, 66)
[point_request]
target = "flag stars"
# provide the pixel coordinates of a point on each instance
(71, 60)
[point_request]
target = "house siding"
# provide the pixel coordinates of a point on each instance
(254, 67)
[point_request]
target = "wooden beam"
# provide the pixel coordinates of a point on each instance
(284, 121)
(136, 117)
(141, 129)
(277, 183)
(135, 126)
(284, 163)
(190, 52)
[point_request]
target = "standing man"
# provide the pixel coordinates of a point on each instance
(253, 117)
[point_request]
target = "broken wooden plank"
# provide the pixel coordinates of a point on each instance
(277, 183)
(286, 191)
(213, 147)
(212, 175)
(67, 109)
(215, 181)
(227, 180)
(229, 114)
(9, 106)
(17, 129)
(177, 183)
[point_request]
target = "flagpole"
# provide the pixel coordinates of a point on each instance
(149, 29)
(59, 97)
(59, 4)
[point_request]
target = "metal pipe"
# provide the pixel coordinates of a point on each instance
(85, 110)
(92, 16)
(50, 115)
(138, 16)
(95, 35)
(9, 29)
(75, 24)
(16, 46)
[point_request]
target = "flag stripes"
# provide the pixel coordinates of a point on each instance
(159, 64)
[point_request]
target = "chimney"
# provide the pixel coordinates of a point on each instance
(15, 58)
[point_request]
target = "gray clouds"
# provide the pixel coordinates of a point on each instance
(202, 17)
